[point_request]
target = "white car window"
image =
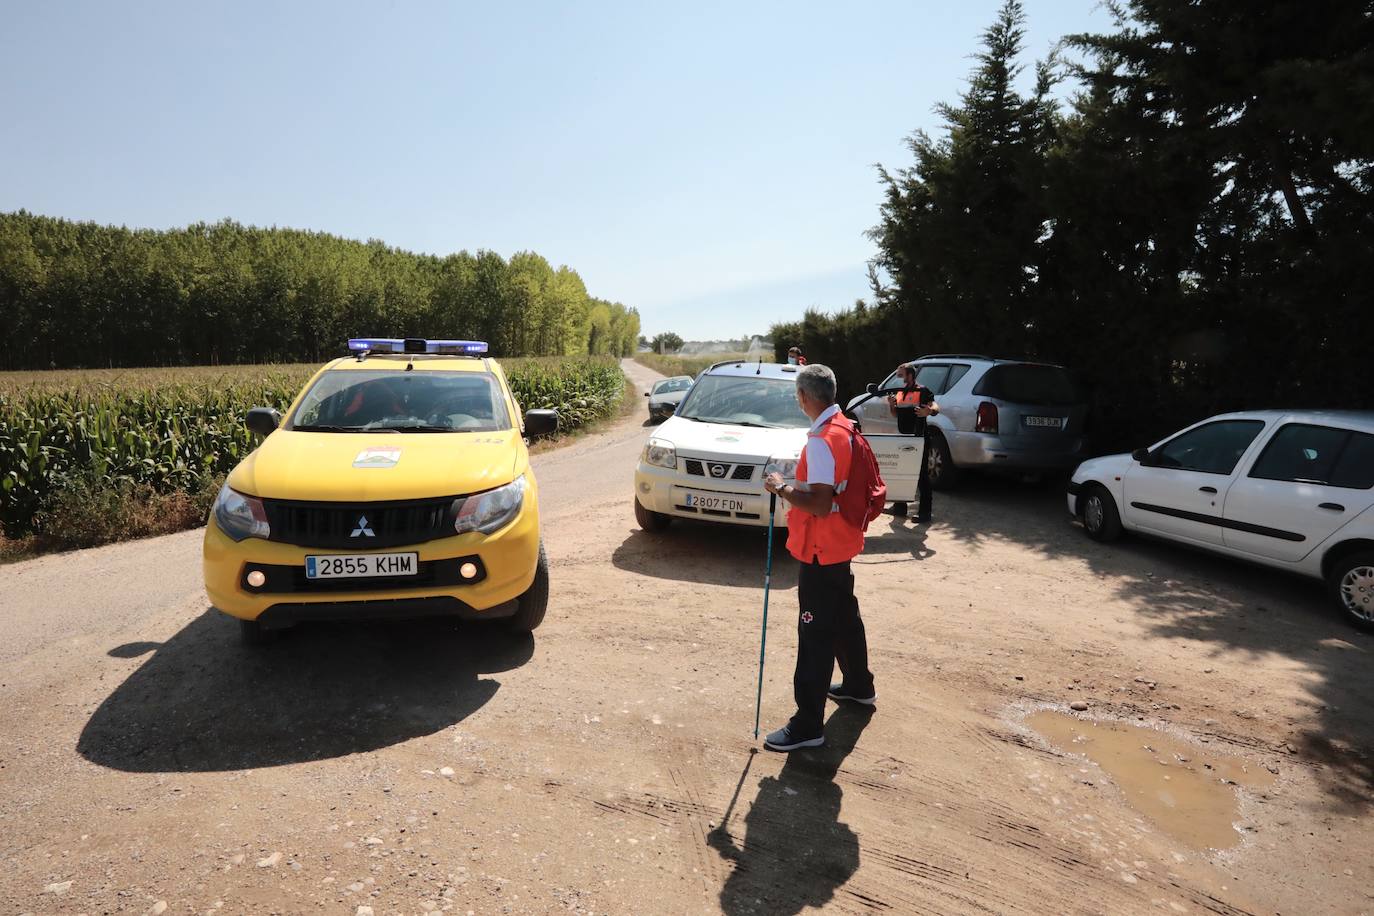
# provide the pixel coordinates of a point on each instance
(1304, 453)
(1212, 449)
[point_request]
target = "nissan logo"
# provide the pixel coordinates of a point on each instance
(718, 470)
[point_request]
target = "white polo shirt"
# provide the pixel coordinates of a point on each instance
(820, 463)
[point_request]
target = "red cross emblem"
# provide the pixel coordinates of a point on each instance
(806, 617)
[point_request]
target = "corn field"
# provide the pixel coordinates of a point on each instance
(181, 429)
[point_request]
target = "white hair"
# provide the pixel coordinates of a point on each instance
(817, 382)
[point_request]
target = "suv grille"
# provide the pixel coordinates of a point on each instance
(392, 524)
(732, 471)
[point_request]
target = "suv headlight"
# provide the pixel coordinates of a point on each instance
(240, 516)
(660, 453)
(787, 467)
(489, 511)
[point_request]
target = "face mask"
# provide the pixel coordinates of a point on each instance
(791, 360)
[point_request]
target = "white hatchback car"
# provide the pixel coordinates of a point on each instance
(739, 422)
(1288, 489)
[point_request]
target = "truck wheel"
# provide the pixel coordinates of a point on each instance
(652, 522)
(1097, 509)
(253, 633)
(529, 612)
(1351, 579)
(940, 468)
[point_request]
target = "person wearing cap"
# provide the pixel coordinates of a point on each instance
(829, 628)
(910, 398)
(795, 358)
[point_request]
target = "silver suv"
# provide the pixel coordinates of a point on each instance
(995, 414)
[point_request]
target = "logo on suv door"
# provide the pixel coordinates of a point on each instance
(718, 470)
(362, 530)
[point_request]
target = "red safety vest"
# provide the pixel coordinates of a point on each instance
(827, 539)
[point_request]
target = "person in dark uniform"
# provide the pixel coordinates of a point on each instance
(918, 399)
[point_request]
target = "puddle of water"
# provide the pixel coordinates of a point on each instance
(1182, 788)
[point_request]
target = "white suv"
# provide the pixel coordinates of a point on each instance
(739, 422)
(1289, 489)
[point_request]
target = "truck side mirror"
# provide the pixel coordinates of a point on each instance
(263, 420)
(539, 423)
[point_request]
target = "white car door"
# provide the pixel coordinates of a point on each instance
(873, 414)
(899, 461)
(1179, 490)
(1308, 482)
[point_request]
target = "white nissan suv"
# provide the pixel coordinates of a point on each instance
(739, 422)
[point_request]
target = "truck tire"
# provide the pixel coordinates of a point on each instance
(940, 468)
(652, 522)
(530, 607)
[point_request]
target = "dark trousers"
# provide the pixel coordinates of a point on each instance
(829, 630)
(923, 481)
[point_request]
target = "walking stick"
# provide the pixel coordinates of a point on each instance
(767, 581)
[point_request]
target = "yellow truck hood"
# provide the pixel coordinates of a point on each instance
(373, 467)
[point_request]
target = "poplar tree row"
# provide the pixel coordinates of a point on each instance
(76, 295)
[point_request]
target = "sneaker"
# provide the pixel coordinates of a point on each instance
(784, 740)
(839, 693)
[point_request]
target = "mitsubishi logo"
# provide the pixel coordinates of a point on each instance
(362, 530)
(718, 470)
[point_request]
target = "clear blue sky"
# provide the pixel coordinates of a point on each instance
(709, 164)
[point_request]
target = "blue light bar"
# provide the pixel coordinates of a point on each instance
(417, 345)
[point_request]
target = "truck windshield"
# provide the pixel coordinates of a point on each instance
(746, 401)
(368, 400)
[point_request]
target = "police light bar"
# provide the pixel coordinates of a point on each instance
(416, 345)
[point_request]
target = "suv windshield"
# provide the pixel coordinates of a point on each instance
(744, 400)
(366, 400)
(1023, 383)
(672, 384)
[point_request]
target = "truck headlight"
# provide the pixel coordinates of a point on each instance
(660, 453)
(787, 467)
(489, 511)
(240, 516)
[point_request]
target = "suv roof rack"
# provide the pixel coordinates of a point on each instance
(958, 356)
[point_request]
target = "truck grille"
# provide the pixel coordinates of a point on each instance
(392, 524)
(732, 471)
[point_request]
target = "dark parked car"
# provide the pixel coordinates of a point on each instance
(666, 395)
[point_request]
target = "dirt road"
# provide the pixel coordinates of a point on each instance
(605, 765)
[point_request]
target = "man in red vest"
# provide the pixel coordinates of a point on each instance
(829, 628)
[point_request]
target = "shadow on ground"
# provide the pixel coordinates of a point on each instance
(703, 553)
(795, 853)
(1180, 593)
(204, 702)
